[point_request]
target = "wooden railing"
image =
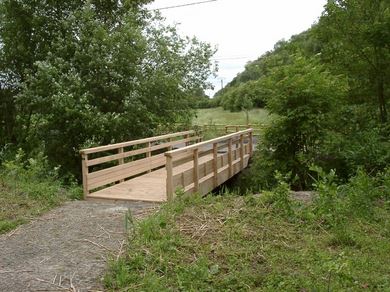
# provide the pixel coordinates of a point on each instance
(227, 129)
(105, 165)
(201, 167)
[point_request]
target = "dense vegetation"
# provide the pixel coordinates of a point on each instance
(29, 187)
(328, 88)
(80, 73)
(339, 241)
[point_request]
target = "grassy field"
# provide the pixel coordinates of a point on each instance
(220, 116)
(243, 243)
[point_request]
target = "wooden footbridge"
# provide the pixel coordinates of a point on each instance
(153, 169)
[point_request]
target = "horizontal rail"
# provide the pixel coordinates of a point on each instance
(134, 142)
(202, 144)
(201, 167)
(103, 166)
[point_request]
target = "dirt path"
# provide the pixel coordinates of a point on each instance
(67, 248)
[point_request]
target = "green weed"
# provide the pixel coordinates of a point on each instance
(29, 187)
(259, 243)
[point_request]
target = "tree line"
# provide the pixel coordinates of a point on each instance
(328, 90)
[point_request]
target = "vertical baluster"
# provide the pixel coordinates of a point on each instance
(84, 168)
(169, 183)
(149, 155)
(196, 170)
(215, 164)
(250, 143)
(121, 160)
(230, 158)
(242, 151)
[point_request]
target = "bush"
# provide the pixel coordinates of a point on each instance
(28, 187)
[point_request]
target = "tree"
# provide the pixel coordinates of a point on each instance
(355, 35)
(111, 72)
(303, 95)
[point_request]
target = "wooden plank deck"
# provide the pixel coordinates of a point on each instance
(152, 169)
(150, 187)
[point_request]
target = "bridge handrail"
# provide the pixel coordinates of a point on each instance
(134, 142)
(208, 171)
(201, 144)
(117, 162)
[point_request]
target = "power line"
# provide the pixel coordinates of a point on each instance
(183, 5)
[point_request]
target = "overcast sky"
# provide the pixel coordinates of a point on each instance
(242, 30)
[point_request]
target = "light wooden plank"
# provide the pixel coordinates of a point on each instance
(209, 142)
(169, 181)
(134, 142)
(144, 150)
(196, 170)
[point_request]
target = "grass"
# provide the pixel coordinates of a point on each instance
(27, 190)
(220, 116)
(243, 243)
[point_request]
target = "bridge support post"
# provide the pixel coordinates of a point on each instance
(196, 170)
(121, 160)
(84, 169)
(250, 144)
(169, 184)
(230, 157)
(215, 164)
(242, 151)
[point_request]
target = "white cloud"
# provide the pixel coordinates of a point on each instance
(242, 30)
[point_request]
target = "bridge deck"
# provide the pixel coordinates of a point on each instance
(152, 169)
(150, 187)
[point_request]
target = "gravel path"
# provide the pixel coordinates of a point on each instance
(66, 249)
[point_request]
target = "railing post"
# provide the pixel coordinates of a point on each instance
(186, 137)
(169, 147)
(226, 129)
(84, 169)
(242, 151)
(237, 128)
(230, 158)
(148, 155)
(169, 183)
(196, 170)
(215, 164)
(121, 160)
(250, 143)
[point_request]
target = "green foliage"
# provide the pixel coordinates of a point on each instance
(279, 198)
(354, 35)
(303, 96)
(29, 187)
(93, 74)
(234, 243)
